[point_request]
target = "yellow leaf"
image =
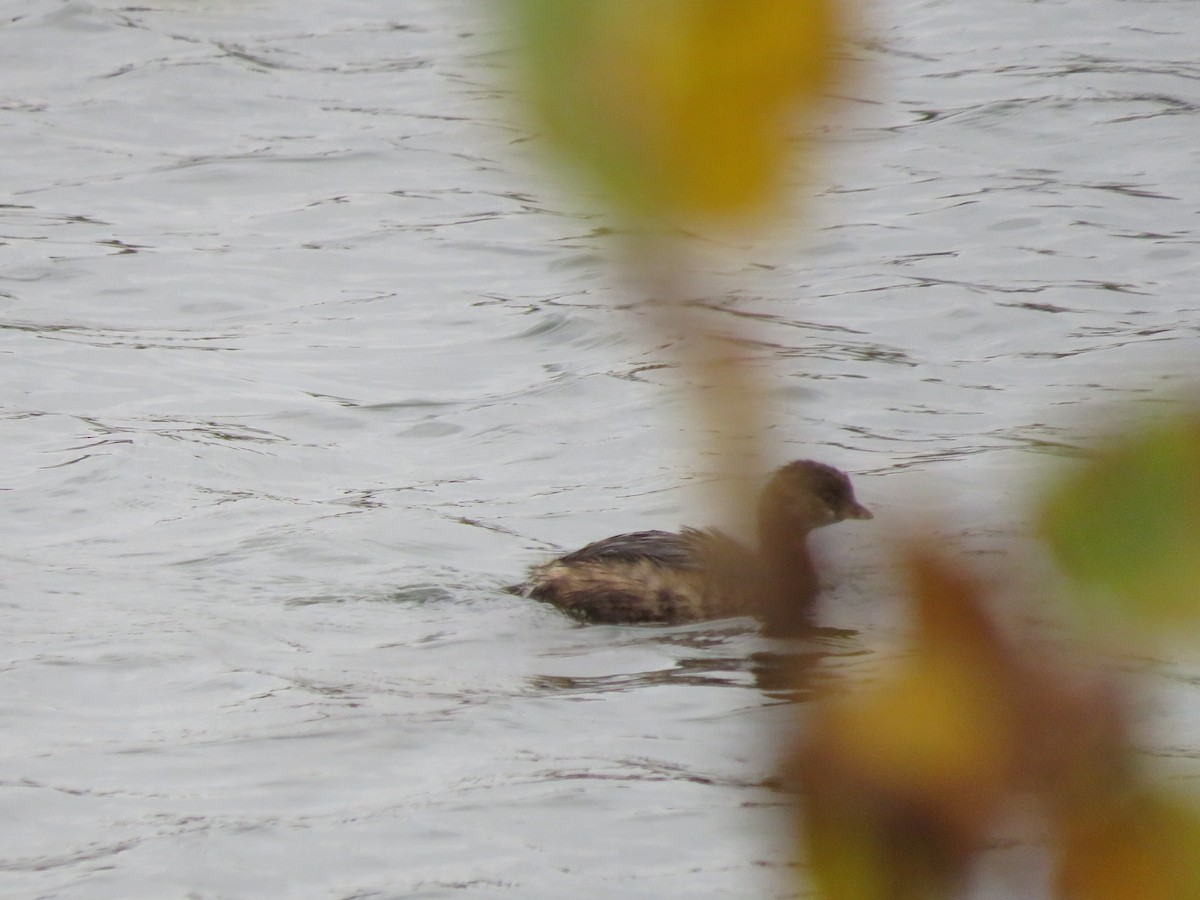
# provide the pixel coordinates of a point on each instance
(1143, 846)
(902, 780)
(679, 109)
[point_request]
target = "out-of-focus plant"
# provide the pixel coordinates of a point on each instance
(683, 117)
(900, 781)
(1127, 528)
(906, 782)
(683, 113)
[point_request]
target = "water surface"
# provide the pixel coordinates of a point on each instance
(304, 359)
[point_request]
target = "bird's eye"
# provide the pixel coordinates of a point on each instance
(831, 494)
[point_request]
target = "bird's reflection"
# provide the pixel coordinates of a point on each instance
(790, 671)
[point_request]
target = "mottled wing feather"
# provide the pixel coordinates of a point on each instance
(677, 550)
(645, 576)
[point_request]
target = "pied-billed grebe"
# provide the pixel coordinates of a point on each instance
(667, 577)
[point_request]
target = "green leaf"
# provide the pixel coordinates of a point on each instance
(1127, 527)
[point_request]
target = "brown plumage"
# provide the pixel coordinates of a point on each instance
(692, 575)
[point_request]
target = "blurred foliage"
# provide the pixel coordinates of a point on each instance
(903, 784)
(901, 780)
(685, 116)
(1127, 527)
(680, 110)
(1132, 841)
(682, 113)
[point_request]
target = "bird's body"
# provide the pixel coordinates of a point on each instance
(693, 575)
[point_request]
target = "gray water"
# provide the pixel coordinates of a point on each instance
(304, 358)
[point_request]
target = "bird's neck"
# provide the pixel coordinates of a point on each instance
(791, 579)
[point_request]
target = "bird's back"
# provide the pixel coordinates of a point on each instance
(649, 576)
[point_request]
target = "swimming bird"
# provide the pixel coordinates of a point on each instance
(693, 575)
